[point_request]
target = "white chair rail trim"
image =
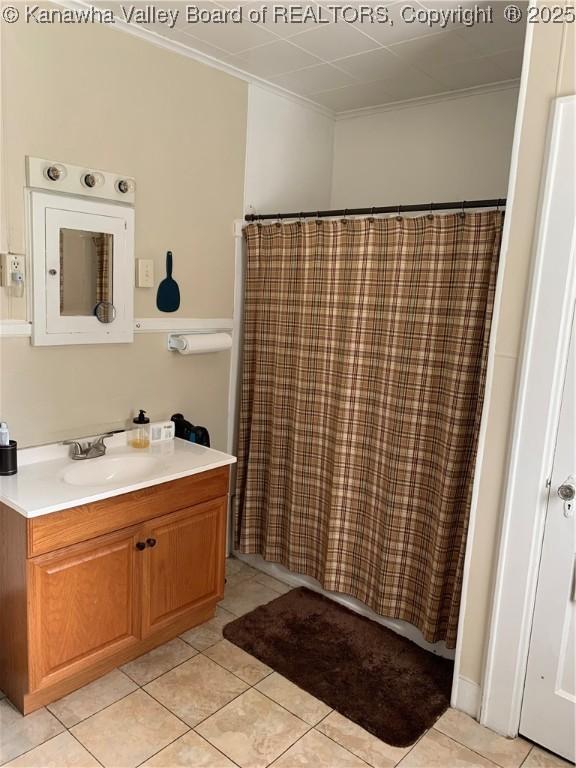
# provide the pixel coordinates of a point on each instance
(16, 328)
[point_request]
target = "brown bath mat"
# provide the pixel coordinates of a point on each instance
(385, 683)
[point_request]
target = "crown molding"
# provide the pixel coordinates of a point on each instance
(191, 53)
(435, 98)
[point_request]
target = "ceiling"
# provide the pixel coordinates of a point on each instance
(345, 65)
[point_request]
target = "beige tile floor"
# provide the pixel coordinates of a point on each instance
(200, 702)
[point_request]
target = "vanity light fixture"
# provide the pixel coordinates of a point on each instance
(55, 172)
(125, 185)
(92, 179)
(84, 180)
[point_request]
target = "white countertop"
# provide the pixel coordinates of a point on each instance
(39, 488)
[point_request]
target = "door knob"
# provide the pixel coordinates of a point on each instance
(567, 492)
(151, 542)
(140, 545)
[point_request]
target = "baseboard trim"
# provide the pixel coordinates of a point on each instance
(466, 697)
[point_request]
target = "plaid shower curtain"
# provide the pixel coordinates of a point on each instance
(103, 246)
(365, 345)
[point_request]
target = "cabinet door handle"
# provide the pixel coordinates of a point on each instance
(151, 542)
(140, 545)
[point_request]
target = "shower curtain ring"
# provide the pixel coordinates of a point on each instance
(462, 213)
(430, 214)
(398, 216)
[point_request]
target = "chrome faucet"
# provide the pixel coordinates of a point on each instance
(87, 449)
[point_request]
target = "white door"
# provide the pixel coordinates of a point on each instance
(549, 703)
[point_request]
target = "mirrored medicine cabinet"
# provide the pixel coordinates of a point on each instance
(83, 269)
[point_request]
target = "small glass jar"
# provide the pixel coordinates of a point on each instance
(139, 435)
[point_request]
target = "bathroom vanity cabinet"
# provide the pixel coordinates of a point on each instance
(88, 588)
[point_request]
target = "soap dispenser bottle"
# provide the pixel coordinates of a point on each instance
(139, 436)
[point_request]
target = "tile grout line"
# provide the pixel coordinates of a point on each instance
(97, 712)
(26, 751)
(139, 688)
(188, 726)
(250, 685)
(342, 745)
(418, 740)
(188, 732)
(152, 679)
(290, 746)
(527, 756)
(142, 688)
(215, 747)
(371, 734)
(193, 727)
(84, 746)
(165, 746)
(253, 687)
(346, 749)
(281, 705)
(45, 741)
(466, 746)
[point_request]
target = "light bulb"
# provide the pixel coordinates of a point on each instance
(92, 179)
(125, 185)
(55, 172)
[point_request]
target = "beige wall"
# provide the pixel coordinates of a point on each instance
(89, 95)
(453, 149)
(551, 73)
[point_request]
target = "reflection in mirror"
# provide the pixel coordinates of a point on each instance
(85, 271)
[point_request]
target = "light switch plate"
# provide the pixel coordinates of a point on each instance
(145, 277)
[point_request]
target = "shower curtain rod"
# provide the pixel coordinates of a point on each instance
(455, 205)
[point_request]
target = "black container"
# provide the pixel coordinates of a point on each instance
(8, 458)
(187, 431)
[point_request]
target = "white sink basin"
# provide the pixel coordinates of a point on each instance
(110, 469)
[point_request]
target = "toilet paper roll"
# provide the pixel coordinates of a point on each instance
(201, 343)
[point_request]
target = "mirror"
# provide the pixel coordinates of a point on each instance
(83, 270)
(86, 274)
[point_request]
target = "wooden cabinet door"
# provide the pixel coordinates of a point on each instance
(83, 605)
(183, 563)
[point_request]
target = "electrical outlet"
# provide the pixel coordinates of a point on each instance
(11, 265)
(145, 277)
